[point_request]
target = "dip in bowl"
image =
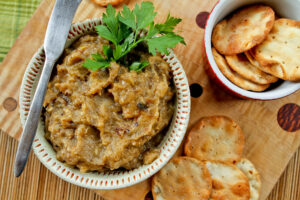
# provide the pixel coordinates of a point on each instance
(110, 118)
(120, 167)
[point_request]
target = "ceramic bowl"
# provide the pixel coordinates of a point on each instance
(112, 180)
(284, 8)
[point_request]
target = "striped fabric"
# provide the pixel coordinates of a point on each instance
(14, 15)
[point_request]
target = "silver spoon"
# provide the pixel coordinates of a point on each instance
(54, 43)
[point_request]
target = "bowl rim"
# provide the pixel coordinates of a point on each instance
(110, 180)
(231, 87)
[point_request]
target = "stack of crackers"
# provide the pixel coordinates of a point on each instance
(254, 49)
(213, 167)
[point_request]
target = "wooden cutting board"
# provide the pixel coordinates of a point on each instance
(271, 127)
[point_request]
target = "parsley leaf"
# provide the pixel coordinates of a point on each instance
(162, 43)
(137, 66)
(98, 57)
(144, 14)
(110, 20)
(108, 52)
(95, 65)
(127, 17)
(104, 32)
(123, 30)
(169, 25)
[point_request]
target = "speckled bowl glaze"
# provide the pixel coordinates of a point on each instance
(112, 180)
(285, 8)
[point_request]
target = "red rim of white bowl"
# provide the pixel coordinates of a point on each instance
(113, 180)
(266, 95)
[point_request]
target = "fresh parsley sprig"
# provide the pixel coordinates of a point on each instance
(123, 30)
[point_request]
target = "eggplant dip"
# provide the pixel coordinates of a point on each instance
(109, 103)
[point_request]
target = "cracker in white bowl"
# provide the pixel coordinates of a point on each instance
(182, 178)
(228, 182)
(241, 65)
(252, 59)
(246, 28)
(235, 77)
(247, 167)
(279, 54)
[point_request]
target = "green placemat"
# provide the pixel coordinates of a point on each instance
(14, 15)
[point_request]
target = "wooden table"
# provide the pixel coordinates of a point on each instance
(42, 184)
(38, 183)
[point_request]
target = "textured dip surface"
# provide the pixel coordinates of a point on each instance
(110, 118)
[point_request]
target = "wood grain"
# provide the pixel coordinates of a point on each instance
(267, 145)
(42, 184)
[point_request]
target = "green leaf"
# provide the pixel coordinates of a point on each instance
(144, 14)
(152, 30)
(123, 28)
(128, 18)
(97, 57)
(124, 48)
(169, 25)
(137, 66)
(108, 52)
(104, 32)
(95, 65)
(129, 40)
(162, 43)
(117, 52)
(109, 18)
(123, 33)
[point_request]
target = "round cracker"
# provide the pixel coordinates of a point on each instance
(106, 2)
(279, 53)
(246, 28)
(275, 70)
(182, 178)
(216, 138)
(228, 182)
(252, 174)
(137, 192)
(252, 60)
(235, 77)
(241, 65)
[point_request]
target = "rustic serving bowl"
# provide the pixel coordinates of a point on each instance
(284, 8)
(112, 180)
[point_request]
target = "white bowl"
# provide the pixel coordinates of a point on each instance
(113, 180)
(284, 8)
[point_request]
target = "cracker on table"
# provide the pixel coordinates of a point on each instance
(182, 178)
(241, 65)
(106, 2)
(253, 176)
(228, 182)
(137, 191)
(246, 28)
(279, 54)
(235, 77)
(215, 138)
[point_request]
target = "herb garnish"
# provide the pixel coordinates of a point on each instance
(123, 30)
